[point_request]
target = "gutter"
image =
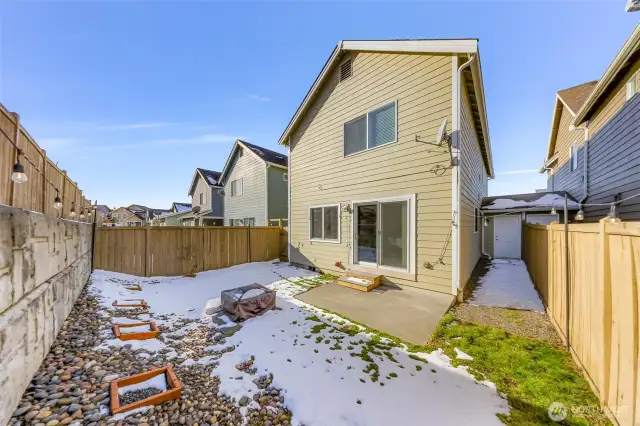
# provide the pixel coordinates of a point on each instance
(585, 164)
(455, 174)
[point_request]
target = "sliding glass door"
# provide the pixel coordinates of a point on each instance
(381, 233)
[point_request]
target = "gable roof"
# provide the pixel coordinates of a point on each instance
(629, 53)
(103, 209)
(572, 98)
(266, 155)
(180, 207)
(416, 46)
(212, 178)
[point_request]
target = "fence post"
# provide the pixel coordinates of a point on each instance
(605, 287)
(567, 279)
(16, 137)
(44, 180)
(249, 242)
(147, 251)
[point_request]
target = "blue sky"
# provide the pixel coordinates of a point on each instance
(131, 97)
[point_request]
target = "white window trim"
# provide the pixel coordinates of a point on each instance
(572, 156)
(632, 82)
(412, 237)
(322, 240)
(366, 114)
(241, 179)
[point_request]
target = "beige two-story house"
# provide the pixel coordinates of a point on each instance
(374, 184)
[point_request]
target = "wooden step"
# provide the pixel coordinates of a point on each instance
(360, 280)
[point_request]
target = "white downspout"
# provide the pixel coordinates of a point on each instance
(585, 164)
(455, 175)
(482, 249)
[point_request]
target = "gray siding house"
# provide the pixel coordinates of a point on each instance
(255, 186)
(207, 199)
(594, 148)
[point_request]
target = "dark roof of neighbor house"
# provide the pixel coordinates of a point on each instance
(574, 97)
(211, 176)
(180, 207)
(267, 154)
(141, 211)
(529, 201)
(103, 209)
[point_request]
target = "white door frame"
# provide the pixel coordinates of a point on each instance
(508, 242)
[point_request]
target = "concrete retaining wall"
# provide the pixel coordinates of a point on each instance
(44, 264)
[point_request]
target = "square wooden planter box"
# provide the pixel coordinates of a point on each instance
(142, 335)
(130, 303)
(174, 389)
(135, 287)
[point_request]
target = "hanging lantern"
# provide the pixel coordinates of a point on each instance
(613, 217)
(18, 175)
(486, 221)
(57, 202)
(72, 213)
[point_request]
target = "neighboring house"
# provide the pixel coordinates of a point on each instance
(504, 215)
(371, 187)
(103, 210)
(594, 147)
(207, 200)
(174, 216)
(255, 186)
(122, 216)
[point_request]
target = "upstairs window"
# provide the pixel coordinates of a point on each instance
(201, 198)
(574, 156)
(237, 187)
(375, 128)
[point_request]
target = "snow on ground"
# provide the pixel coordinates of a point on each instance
(507, 284)
(328, 377)
(159, 381)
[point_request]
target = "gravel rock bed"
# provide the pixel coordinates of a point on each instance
(72, 384)
(137, 395)
(531, 324)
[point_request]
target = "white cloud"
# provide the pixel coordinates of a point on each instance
(259, 98)
(519, 172)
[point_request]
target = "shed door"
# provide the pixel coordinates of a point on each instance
(507, 234)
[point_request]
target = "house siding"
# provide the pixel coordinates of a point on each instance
(614, 164)
(252, 202)
(201, 188)
(277, 193)
(217, 202)
(473, 186)
(422, 87)
(614, 102)
(562, 177)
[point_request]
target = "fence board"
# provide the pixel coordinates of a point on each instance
(604, 318)
(38, 193)
(172, 251)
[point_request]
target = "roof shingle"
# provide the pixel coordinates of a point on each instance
(574, 97)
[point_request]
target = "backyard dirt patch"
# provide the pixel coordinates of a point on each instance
(532, 324)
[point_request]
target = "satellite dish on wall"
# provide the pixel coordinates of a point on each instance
(195, 209)
(442, 133)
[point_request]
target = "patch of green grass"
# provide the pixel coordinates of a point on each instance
(373, 371)
(336, 346)
(313, 318)
(319, 339)
(327, 341)
(417, 358)
(326, 277)
(394, 375)
(318, 328)
(294, 322)
(308, 336)
(531, 373)
(350, 347)
(328, 361)
(390, 356)
(418, 368)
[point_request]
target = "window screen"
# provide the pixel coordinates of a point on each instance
(330, 225)
(382, 125)
(355, 135)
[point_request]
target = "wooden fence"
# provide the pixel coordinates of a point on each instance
(38, 193)
(180, 250)
(604, 271)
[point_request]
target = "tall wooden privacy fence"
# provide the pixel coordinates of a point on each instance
(179, 250)
(38, 193)
(603, 271)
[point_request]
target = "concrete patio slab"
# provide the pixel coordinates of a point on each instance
(408, 313)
